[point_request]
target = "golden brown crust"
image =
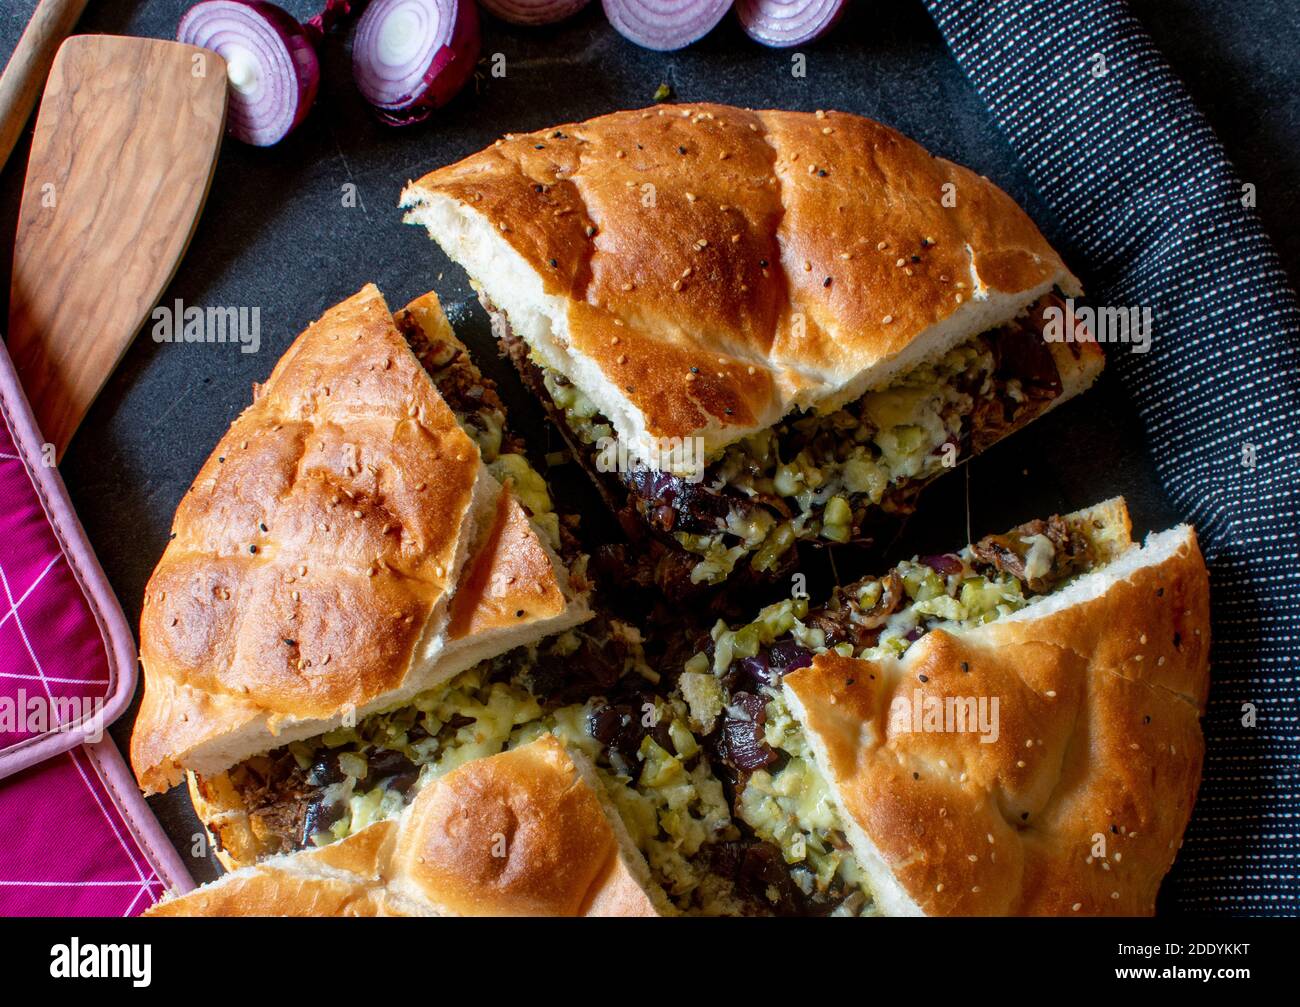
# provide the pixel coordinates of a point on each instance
(508, 574)
(1079, 805)
(516, 834)
(617, 892)
(1078, 365)
(781, 255)
(270, 893)
(509, 581)
(313, 547)
(428, 314)
(224, 817)
(345, 879)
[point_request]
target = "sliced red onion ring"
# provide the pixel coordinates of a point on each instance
(532, 12)
(664, 24)
(270, 63)
(412, 56)
(781, 23)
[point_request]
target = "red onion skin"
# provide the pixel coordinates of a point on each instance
(454, 64)
(533, 12)
(649, 25)
(450, 68)
(758, 18)
(307, 65)
(302, 58)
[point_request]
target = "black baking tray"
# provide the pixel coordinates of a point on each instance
(277, 235)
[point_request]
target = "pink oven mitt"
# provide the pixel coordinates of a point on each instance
(87, 843)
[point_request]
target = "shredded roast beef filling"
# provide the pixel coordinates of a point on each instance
(764, 882)
(471, 396)
(1008, 553)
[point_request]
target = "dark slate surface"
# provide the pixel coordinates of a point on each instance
(275, 236)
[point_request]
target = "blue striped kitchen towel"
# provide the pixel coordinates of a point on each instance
(1158, 218)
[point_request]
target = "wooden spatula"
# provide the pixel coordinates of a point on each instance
(124, 150)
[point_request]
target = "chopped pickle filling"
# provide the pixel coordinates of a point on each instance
(793, 808)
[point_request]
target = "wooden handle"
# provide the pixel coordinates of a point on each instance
(25, 75)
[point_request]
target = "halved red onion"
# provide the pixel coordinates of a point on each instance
(664, 24)
(781, 23)
(412, 56)
(533, 11)
(271, 65)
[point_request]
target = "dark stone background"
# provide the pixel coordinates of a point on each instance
(274, 235)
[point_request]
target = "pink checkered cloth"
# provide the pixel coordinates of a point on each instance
(87, 844)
